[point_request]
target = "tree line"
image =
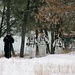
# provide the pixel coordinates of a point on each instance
(22, 16)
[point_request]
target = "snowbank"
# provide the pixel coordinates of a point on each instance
(62, 64)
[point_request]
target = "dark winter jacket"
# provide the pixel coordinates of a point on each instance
(8, 40)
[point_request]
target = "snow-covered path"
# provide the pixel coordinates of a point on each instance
(62, 64)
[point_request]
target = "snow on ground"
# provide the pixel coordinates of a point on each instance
(57, 64)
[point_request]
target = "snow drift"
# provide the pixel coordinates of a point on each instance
(62, 64)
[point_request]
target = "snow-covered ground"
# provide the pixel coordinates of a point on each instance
(61, 64)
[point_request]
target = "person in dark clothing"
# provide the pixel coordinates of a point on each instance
(8, 40)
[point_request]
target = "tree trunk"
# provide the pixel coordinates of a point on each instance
(8, 16)
(23, 35)
(22, 42)
(52, 40)
(2, 20)
(37, 51)
(8, 21)
(48, 50)
(24, 30)
(13, 52)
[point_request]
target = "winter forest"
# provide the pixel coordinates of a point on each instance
(37, 37)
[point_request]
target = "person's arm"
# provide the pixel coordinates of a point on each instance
(4, 39)
(12, 40)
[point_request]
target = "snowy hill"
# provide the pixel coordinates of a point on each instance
(62, 64)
